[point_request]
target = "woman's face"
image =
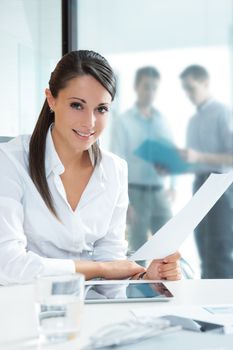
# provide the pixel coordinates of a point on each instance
(81, 111)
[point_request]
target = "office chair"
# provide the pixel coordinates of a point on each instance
(5, 138)
(186, 269)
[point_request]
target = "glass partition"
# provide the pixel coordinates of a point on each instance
(168, 36)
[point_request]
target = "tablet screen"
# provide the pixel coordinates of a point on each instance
(127, 292)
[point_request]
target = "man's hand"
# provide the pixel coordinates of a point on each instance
(190, 155)
(161, 170)
(131, 214)
(171, 194)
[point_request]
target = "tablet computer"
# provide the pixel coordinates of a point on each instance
(126, 292)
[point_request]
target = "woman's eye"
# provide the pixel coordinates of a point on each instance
(76, 105)
(103, 109)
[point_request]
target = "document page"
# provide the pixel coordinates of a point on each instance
(169, 238)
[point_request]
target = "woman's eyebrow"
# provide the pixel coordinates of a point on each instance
(82, 100)
(103, 104)
(77, 98)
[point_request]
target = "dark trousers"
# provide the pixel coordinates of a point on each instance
(214, 237)
(151, 210)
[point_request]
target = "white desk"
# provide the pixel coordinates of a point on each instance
(188, 293)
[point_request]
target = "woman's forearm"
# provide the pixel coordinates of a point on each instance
(90, 269)
(117, 269)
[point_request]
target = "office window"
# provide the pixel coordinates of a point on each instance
(170, 36)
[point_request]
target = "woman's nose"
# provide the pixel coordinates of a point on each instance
(89, 120)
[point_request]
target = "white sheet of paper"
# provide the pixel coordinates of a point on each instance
(220, 310)
(190, 311)
(169, 238)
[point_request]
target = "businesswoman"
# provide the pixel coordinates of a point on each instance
(63, 200)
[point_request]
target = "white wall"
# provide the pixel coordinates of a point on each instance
(30, 45)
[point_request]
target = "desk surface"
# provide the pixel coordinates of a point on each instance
(189, 295)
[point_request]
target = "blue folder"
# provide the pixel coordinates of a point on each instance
(164, 153)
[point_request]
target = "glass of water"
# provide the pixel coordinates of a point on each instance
(60, 301)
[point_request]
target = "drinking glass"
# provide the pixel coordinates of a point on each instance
(60, 301)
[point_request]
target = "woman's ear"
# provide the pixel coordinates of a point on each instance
(50, 99)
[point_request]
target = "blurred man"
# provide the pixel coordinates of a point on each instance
(149, 203)
(210, 146)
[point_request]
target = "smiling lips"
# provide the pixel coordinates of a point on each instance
(84, 135)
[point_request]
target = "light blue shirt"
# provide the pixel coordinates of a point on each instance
(210, 130)
(129, 131)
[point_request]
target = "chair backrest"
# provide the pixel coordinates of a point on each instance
(186, 269)
(5, 138)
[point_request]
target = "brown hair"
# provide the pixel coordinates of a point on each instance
(147, 71)
(196, 72)
(72, 65)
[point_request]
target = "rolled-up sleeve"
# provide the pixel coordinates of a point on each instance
(225, 128)
(17, 264)
(113, 245)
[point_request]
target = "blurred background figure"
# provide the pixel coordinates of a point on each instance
(150, 205)
(210, 146)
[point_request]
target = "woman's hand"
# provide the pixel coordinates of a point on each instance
(167, 268)
(118, 269)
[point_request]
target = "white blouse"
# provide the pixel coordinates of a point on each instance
(33, 242)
